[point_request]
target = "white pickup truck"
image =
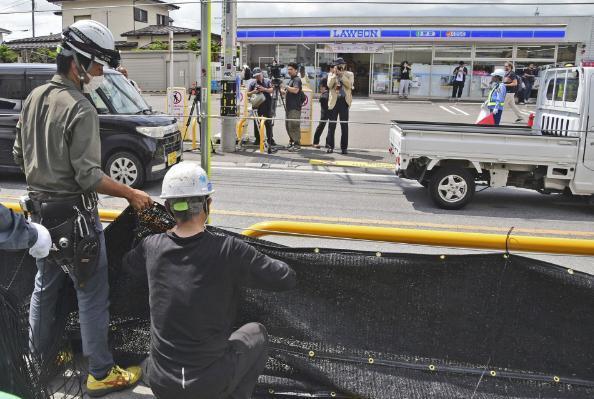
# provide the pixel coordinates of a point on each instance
(555, 155)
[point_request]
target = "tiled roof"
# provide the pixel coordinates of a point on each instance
(156, 30)
(31, 43)
(176, 46)
(5, 31)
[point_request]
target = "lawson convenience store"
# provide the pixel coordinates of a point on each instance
(374, 48)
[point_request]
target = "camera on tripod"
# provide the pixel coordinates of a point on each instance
(275, 73)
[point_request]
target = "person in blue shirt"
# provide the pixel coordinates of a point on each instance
(496, 97)
(17, 233)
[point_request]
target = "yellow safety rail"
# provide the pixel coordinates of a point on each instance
(501, 242)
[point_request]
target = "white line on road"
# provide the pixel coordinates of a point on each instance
(384, 108)
(386, 176)
(525, 113)
(459, 110)
(447, 110)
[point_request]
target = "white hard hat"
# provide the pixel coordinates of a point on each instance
(92, 40)
(499, 72)
(186, 179)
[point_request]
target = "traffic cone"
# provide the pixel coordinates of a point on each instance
(488, 120)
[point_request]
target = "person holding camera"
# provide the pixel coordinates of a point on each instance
(405, 71)
(340, 97)
(260, 92)
(294, 99)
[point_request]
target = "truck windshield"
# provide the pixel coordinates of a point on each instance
(121, 95)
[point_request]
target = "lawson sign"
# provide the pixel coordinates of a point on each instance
(354, 33)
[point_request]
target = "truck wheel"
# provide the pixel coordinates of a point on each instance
(125, 168)
(451, 187)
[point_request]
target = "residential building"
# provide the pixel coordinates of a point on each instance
(2, 33)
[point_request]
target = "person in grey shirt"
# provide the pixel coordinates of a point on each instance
(59, 148)
(17, 233)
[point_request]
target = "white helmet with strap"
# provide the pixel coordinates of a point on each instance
(186, 180)
(92, 40)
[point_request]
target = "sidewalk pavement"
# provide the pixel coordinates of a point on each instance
(308, 158)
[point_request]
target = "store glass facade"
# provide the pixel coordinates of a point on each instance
(377, 65)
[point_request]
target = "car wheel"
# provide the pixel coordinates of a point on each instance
(125, 168)
(452, 187)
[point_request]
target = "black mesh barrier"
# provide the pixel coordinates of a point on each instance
(380, 325)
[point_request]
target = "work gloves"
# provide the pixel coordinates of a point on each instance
(43, 244)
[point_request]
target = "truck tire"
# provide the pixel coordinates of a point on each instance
(125, 167)
(451, 187)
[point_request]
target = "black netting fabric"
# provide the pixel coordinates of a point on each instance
(380, 325)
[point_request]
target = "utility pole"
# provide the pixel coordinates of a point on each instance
(205, 84)
(229, 85)
(33, 17)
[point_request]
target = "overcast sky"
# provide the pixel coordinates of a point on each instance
(189, 15)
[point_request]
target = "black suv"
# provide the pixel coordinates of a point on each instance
(137, 144)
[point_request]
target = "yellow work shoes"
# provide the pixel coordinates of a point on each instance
(117, 380)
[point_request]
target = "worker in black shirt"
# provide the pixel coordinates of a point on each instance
(324, 112)
(194, 280)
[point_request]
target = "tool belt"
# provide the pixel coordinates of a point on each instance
(71, 224)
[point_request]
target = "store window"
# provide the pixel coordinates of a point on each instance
(481, 78)
(382, 64)
(453, 52)
(306, 56)
(566, 53)
(261, 55)
(540, 52)
(419, 58)
(494, 52)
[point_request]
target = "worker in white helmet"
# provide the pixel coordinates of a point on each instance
(496, 98)
(194, 279)
(59, 149)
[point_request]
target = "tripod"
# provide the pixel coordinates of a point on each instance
(195, 108)
(275, 96)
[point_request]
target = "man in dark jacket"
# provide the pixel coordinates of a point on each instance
(459, 78)
(194, 280)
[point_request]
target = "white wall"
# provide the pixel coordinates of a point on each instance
(118, 20)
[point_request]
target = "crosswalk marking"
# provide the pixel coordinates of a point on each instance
(459, 110)
(447, 110)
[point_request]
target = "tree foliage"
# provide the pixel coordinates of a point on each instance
(7, 55)
(43, 55)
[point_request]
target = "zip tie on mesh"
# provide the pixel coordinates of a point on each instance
(507, 239)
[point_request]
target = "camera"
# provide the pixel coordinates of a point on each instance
(275, 71)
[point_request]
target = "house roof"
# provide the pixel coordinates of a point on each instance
(5, 31)
(171, 6)
(156, 30)
(49, 41)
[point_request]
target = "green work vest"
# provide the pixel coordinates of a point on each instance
(490, 101)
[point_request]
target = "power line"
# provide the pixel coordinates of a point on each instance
(336, 2)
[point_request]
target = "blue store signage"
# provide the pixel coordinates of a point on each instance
(354, 34)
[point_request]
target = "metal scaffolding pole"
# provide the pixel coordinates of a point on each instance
(205, 57)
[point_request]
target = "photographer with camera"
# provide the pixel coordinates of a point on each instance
(294, 99)
(340, 88)
(260, 92)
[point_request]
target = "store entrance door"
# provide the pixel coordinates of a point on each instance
(358, 64)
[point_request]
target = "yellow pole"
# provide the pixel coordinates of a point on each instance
(499, 242)
(194, 126)
(262, 133)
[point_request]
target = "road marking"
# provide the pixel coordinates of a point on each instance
(364, 105)
(284, 170)
(525, 113)
(384, 108)
(447, 110)
(353, 164)
(459, 110)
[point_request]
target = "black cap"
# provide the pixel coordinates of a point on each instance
(338, 61)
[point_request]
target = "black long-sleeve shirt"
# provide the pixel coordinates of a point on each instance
(194, 287)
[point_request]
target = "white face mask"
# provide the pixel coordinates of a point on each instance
(93, 84)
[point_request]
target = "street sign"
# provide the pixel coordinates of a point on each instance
(176, 104)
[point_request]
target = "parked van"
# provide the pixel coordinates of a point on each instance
(137, 144)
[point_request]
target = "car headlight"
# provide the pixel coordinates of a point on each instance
(157, 132)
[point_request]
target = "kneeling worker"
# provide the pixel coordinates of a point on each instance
(194, 280)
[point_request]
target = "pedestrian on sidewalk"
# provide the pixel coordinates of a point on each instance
(459, 79)
(512, 84)
(530, 75)
(294, 98)
(497, 95)
(405, 71)
(340, 97)
(324, 112)
(262, 86)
